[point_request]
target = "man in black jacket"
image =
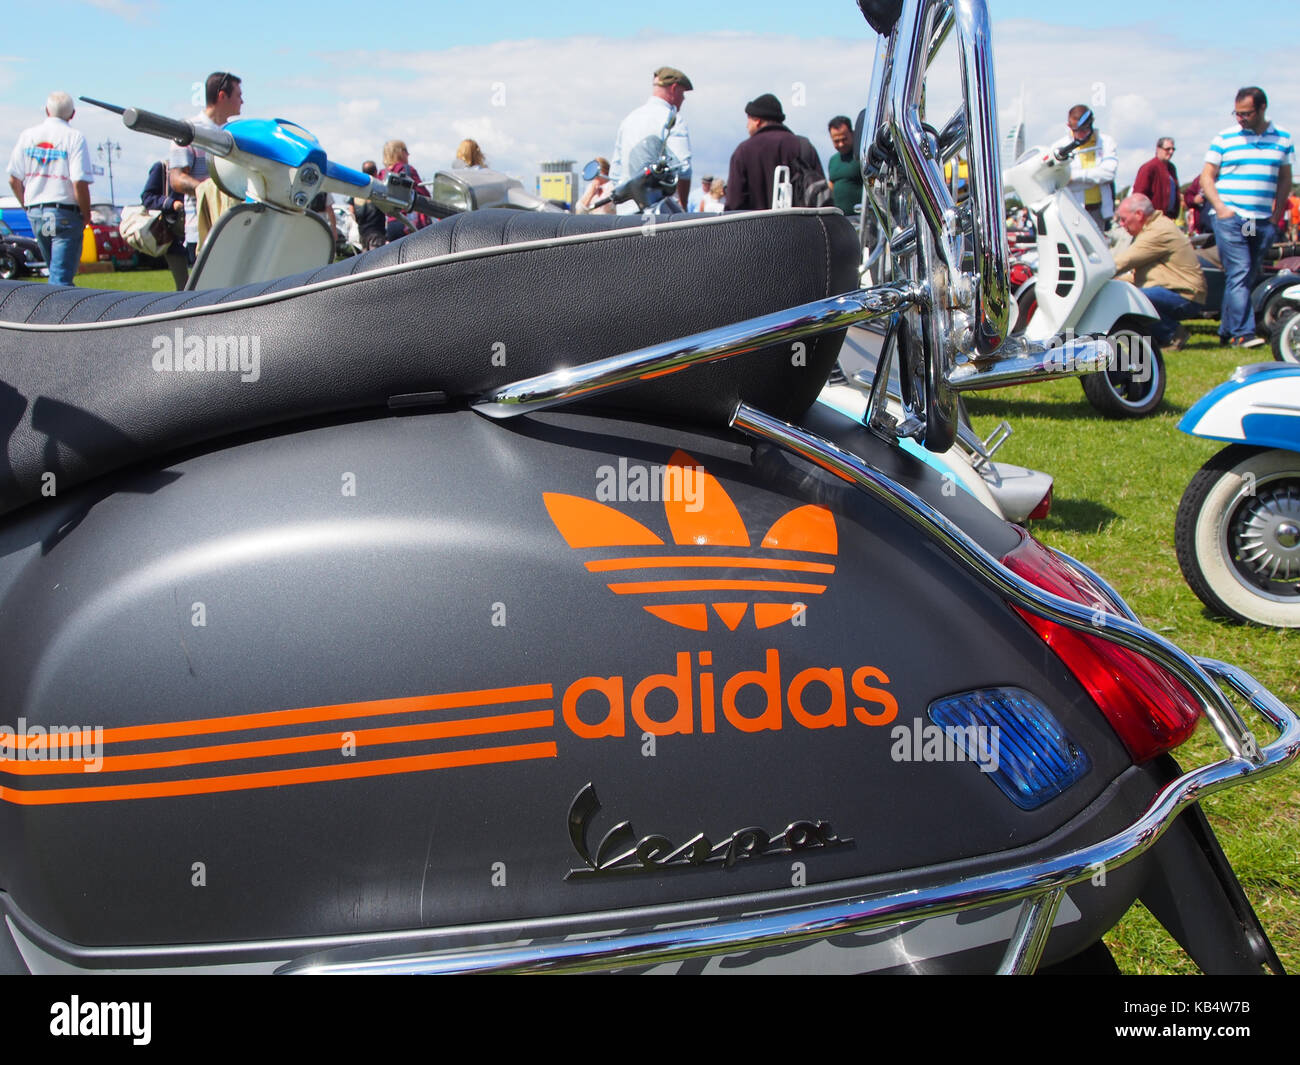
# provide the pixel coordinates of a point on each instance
(770, 144)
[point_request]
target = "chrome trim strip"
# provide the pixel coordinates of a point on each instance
(1037, 879)
(1100, 582)
(658, 360)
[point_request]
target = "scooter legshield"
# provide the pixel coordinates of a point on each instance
(404, 674)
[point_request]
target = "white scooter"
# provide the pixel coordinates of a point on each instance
(1076, 293)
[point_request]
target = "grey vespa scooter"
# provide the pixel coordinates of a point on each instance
(418, 614)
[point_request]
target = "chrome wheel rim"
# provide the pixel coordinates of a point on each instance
(1260, 532)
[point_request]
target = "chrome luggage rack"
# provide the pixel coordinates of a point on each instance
(948, 329)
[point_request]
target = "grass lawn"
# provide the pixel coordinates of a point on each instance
(1118, 484)
(129, 280)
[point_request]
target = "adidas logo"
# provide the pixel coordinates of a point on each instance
(707, 577)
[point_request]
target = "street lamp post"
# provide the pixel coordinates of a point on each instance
(106, 151)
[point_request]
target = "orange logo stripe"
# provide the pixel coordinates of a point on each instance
(309, 715)
(278, 778)
(737, 561)
(290, 745)
(642, 587)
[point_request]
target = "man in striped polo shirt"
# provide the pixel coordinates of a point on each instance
(1247, 179)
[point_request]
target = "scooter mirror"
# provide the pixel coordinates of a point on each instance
(590, 171)
(881, 14)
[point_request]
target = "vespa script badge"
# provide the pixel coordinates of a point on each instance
(620, 852)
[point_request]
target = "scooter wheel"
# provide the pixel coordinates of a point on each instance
(1271, 314)
(1135, 383)
(1238, 535)
(1286, 338)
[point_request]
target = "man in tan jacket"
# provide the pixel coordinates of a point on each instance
(1163, 265)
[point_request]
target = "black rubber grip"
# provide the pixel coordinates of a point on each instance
(426, 206)
(176, 129)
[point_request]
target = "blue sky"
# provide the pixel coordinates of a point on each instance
(534, 81)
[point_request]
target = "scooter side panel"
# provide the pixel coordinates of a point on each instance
(1115, 300)
(1270, 389)
(361, 678)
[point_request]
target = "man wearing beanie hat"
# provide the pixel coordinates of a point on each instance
(770, 144)
(640, 134)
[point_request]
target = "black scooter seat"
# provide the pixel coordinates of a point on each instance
(91, 381)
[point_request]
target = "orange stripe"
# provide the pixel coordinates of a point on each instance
(334, 712)
(279, 778)
(290, 745)
(640, 587)
(739, 561)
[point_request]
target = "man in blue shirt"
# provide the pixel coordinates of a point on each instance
(1247, 180)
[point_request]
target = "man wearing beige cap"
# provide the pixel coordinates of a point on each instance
(641, 133)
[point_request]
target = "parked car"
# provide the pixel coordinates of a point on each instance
(20, 256)
(13, 213)
(103, 242)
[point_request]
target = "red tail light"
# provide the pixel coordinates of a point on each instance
(1149, 708)
(1044, 507)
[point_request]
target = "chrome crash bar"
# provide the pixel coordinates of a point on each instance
(1038, 885)
(1027, 360)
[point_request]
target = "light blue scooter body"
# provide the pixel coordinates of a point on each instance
(1258, 405)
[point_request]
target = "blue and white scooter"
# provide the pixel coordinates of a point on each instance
(275, 168)
(1238, 527)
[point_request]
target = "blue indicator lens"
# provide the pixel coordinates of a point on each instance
(1015, 739)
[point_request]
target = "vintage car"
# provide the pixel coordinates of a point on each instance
(20, 256)
(102, 242)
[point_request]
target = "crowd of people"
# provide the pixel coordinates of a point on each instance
(50, 174)
(749, 185)
(1243, 194)
(1243, 197)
